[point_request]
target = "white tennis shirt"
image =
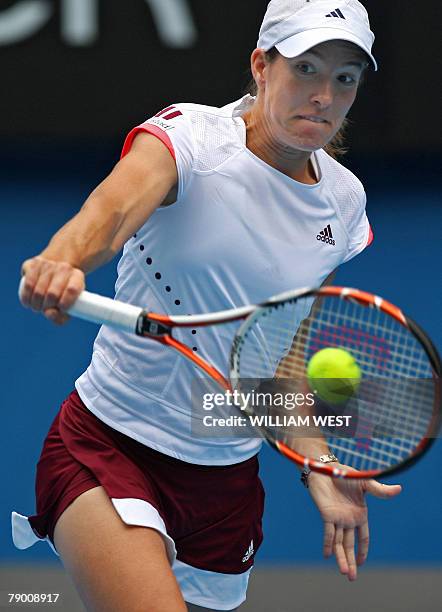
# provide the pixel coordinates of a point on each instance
(239, 232)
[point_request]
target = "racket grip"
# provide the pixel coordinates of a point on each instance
(105, 311)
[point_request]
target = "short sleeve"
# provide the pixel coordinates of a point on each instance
(173, 127)
(359, 231)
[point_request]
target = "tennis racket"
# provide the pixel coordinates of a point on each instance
(396, 414)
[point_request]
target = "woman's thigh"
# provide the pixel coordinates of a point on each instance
(115, 566)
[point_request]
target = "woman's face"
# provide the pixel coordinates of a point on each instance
(306, 98)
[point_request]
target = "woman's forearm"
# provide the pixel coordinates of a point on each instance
(121, 204)
(89, 239)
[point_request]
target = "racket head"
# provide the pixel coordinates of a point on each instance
(396, 414)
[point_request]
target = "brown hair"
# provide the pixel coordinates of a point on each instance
(336, 147)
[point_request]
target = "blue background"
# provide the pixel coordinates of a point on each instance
(40, 361)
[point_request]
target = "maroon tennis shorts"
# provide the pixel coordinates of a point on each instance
(212, 513)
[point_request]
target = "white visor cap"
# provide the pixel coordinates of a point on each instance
(295, 26)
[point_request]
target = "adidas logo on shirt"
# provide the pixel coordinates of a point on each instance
(326, 236)
(336, 13)
(249, 553)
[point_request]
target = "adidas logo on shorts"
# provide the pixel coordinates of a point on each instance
(326, 236)
(249, 553)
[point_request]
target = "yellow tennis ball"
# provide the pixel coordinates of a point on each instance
(333, 375)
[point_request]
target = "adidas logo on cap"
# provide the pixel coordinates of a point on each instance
(326, 236)
(336, 13)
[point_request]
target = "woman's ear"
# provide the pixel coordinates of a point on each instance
(258, 64)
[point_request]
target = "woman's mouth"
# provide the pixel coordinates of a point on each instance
(312, 118)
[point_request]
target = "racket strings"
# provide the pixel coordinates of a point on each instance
(391, 412)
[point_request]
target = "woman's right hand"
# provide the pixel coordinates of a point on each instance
(51, 287)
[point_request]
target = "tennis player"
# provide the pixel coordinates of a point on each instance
(215, 208)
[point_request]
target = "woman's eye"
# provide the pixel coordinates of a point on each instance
(305, 68)
(347, 79)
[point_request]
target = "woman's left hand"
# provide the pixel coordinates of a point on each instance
(343, 509)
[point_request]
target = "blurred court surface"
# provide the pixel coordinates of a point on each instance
(284, 589)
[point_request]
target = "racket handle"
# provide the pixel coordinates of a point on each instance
(103, 310)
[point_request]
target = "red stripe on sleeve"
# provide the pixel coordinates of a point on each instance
(172, 115)
(370, 236)
(164, 111)
(149, 129)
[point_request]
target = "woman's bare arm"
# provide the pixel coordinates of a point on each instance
(122, 203)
